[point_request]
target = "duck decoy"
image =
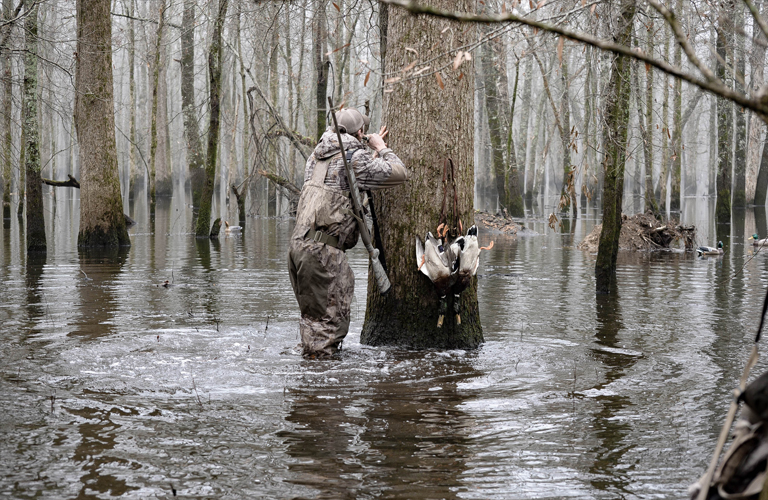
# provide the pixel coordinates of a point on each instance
(469, 259)
(757, 242)
(232, 229)
(711, 250)
(438, 263)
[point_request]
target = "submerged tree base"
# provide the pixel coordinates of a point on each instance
(644, 232)
(98, 238)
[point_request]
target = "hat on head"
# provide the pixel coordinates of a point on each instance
(351, 120)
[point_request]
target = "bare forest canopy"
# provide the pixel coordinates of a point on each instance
(541, 71)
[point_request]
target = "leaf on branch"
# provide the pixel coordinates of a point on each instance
(541, 4)
(531, 4)
(583, 3)
(535, 30)
(668, 134)
(415, 52)
(647, 67)
(439, 80)
(367, 76)
(337, 7)
(445, 29)
(393, 79)
(420, 71)
(592, 9)
(461, 75)
(560, 44)
(458, 60)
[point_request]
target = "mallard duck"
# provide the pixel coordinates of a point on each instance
(438, 263)
(711, 250)
(468, 260)
(232, 229)
(756, 242)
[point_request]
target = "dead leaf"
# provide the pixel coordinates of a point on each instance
(592, 9)
(560, 44)
(439, 80)
(541, 4)
(393, 80)
(647, 67)
(409, 49)
(668, 134)
(445, 29)
(458, 60)
(583, 3)
(531, 4)
(337, 7)
(461, 75)
(367, 76)
(409, 67)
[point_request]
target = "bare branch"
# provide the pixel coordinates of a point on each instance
(72, 182)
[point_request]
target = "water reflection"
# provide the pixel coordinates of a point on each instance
(98, 303)
(396, 430)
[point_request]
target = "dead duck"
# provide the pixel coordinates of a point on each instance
(438, 263)
(232, 229)
(468, 261)
(702, 250)
(757, 242)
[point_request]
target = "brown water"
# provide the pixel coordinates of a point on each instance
(113, 385)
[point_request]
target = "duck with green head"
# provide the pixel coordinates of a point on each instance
(757, 242)
(702, 250)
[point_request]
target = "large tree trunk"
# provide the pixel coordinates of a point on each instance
(724, 132)
(425, 132)
(191, 130)
(615, 145)
(675, 160)
(214, 72)
(650, 198)
(102, 223)
(35, 219)
(569, 182)
(665, 135)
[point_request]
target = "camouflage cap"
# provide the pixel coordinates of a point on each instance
(351, 120)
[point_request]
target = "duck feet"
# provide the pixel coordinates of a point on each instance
(457, 308)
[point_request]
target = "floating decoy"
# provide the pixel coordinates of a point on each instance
(711, 250)
(756, 242)
(232, 229)
(438, 263)
(469, 259)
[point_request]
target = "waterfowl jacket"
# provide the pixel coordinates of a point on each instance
(325, 205)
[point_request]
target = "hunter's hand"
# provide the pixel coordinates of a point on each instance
(376, 141)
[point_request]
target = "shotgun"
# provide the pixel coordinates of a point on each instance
(378, 270)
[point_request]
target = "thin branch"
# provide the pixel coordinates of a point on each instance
(758, 18)
(715, 87)
(72, 182)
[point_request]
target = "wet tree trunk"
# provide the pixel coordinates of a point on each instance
(650, 198)
(756, 124)
(515, 172)
(322, 64)
(153, 134)
(102, 223)
(7, 134)
(724, 134)
(191, 130)
(740, 125)
(424, 132)
(665, 135)
(675, 159)
(569, 183)
(133, 168)
(523, 136)
(274, 91)
(35, 219)
(202, 228)
(614, 144)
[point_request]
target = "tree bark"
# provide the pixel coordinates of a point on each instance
(675, 159)
(322, 64)
(650, 198)
(740, 124)
(195, 158)
(7, 134)
(756, 124)
(101, 208)
(425, 132)
(615, 145)
(724, 131)
(202, 229)
(665, 136)
(35, 219)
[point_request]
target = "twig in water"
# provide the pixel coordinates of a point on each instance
(266, 328)
(86, 276)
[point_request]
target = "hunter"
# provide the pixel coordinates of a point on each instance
(325, 228)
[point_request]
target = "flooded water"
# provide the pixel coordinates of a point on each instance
(114, 385)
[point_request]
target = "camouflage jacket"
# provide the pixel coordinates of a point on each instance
(327, 207)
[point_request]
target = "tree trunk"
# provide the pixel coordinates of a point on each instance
(724, 134)
(615, 144)
(665, 135)
(756, 124)
(740, 125)
(7, 134)
(35, 219)
(191, 130)
(425, 132)
(650, 198)
(762, 177)
(153, 134)
(133, 168)
(102, 223)
(675, 159)
(569, 183)
(202, 229)
(322, 64)
(523, 136)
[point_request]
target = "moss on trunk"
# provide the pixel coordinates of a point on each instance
(35, 218)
